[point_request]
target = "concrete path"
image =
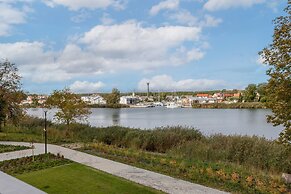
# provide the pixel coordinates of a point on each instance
(151, 179)
(11, 185)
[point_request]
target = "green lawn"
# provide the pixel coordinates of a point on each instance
(77, 178)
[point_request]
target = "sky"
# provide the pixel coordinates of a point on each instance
(175, 45)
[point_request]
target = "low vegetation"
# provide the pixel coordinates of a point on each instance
(240, 164)
(239, 105)
(10, 148)
(32, 163)
(221, 175)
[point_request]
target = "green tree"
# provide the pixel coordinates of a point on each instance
(70, 106)
(113, 98)
(250, 93)
(262, 90)
(277, 56)
(10, 93)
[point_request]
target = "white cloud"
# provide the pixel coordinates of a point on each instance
(10, 16)
(106, 19)
(184, 17)
(33, 61)
(214, 5)
(195, 54)
(16, 1)
(273, 4)
(81, 17)
(164, 5)
(167, 83)
(87, 4)
(132, 46)
(84, 86)
(104, 49)
(210, 21)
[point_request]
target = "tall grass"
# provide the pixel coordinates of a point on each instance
(254, 152)
(157, 140)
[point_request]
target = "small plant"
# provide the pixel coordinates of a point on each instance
(11, 148)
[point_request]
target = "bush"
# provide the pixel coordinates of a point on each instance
(156, 140)
(239, 105)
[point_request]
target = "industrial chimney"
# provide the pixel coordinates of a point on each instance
(148, 85)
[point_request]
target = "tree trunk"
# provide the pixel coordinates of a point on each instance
(67, 128)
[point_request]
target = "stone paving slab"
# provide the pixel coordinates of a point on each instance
(11, 185)
(148, 178)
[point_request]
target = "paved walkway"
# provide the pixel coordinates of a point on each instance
(151, 179)
(11, 185)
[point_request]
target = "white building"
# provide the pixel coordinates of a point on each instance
(202, 100)
(94, 99)
(129, 100)
(40, 99)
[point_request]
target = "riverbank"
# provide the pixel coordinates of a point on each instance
(240, 164)
(240, 105)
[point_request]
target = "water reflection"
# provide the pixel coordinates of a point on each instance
(115, 117)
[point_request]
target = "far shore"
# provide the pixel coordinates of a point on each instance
(239, 105)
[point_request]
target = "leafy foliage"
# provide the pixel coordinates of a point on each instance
(277, 56)
(262, 91)
(113, 98)
(250, 93)
(10, 92)
(70, 106)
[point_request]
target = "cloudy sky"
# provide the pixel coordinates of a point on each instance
(95, 45)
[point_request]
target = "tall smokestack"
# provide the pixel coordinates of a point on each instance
(148, 84)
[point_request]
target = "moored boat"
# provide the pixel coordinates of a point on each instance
(173, 105)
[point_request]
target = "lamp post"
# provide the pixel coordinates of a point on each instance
(45, 133)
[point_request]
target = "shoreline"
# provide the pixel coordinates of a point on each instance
(241, 105)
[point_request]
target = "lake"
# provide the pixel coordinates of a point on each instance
(208, 121)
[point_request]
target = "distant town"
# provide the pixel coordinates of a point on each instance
(167, 99)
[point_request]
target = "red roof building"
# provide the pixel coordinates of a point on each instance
(203, 95)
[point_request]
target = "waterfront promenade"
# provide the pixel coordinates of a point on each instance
(151, 179)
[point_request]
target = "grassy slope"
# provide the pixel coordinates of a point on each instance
(76, 178)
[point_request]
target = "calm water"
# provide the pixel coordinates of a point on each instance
(209, 121)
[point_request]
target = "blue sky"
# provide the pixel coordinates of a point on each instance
(93, 46)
